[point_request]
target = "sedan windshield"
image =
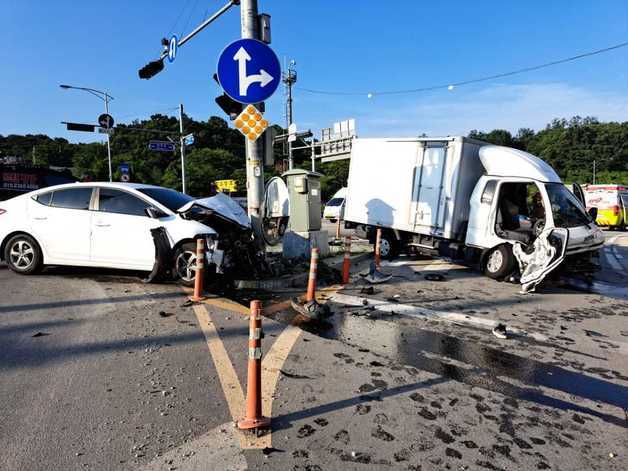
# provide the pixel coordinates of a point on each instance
(566, 209)
(171, 199)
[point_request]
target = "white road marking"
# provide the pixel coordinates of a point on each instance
(423, 313)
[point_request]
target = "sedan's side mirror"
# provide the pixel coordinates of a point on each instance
(154, 213)
(593, 213)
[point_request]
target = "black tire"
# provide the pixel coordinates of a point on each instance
(23, 255)
(184, 264)
(388, 246)
(500, 262)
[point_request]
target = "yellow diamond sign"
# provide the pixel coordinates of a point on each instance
(251, 123)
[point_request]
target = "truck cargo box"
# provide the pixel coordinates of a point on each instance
(419, 185)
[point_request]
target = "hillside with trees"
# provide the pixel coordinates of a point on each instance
(570, 146)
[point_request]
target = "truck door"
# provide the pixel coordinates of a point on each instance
(577, 191)
(427, 205)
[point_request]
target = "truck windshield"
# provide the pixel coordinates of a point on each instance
(566, 208)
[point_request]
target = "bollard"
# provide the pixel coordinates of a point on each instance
(200, 270)
(338, 228)
(378, 241)
(311, 284)
(346, 263)
(254, 417)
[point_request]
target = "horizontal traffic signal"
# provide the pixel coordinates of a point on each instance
(80, 127)
(151, 69)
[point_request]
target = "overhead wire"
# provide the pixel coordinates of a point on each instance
(452, 85)
(176, 22)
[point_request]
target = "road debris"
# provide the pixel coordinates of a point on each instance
(40, 334)
(375, 276)
(434, 277)
(500, 331)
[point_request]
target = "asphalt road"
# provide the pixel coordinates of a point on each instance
(93, 377)
(104, 372)
(614, 258)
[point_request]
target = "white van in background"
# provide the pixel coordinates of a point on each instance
(335, 207)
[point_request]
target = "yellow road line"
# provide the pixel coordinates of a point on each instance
(226, 373)
(232, 389)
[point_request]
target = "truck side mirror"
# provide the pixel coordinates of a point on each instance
(593, 213)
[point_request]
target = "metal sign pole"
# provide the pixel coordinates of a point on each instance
(182, 143)
(108, 139)
(254, 166)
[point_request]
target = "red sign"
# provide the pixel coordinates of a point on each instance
(19, 181)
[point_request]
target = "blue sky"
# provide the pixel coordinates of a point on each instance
(355, 46)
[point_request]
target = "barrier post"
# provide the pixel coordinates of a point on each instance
(254, 417)
(311, 284)
(378, 241)
(200, 270)
(346, 263)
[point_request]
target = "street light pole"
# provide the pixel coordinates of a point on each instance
(104, 96)
(108, 139)
(182, 144)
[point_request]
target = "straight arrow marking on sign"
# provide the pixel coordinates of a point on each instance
(264, 78)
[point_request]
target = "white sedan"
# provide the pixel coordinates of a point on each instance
(109, 225)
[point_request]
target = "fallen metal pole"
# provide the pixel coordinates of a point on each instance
(254, 418)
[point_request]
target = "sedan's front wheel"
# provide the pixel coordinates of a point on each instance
(23, 255)
(185, 264)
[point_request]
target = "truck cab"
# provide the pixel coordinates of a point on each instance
(518, 200)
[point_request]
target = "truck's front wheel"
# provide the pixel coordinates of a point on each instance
(388, 246)
(500, 262)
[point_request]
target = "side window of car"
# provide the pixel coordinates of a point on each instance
(44, 198)
(121, 202)
(489, 192)
(72, 198)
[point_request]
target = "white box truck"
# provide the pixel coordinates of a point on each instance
(460, 197)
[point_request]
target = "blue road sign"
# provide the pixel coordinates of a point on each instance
(125, 171)
(172, 48)
(248, 71)
(189, 139)
(161, 146)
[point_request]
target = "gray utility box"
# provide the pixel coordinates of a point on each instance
(304, 190)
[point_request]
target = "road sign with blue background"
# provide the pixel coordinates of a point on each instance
(249, 71)
(172, 48)
(161, 146)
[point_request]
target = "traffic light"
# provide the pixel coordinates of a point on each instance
(80, 127)
(231, 107)
(151, 69)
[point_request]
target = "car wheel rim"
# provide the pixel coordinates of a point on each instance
(22, 255)
(186, 265)
(495, 261)
(384, 247)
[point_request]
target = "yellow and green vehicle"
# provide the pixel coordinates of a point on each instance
(611, 202)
